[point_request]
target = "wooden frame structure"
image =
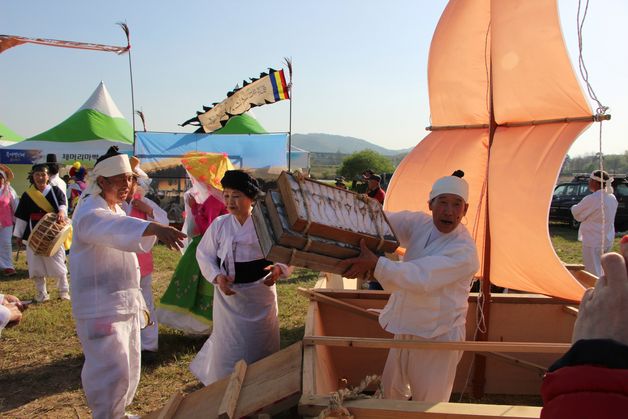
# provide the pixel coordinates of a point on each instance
(343, 341)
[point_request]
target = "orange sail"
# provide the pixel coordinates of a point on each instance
(505, 108)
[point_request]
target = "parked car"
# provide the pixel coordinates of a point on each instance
(568, 194)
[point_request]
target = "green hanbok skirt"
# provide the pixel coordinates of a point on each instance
(187, 303)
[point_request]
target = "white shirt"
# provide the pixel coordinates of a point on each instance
(430, 287)
(59, 183)
(103, 266)
(588, 213)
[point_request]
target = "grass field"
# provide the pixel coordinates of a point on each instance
(41, 359)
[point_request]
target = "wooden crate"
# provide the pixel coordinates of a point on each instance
(290, 256)
(318, 209)
(289, 238)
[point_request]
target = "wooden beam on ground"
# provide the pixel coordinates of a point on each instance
(469, 346)
(384, 408)
(313, 295)
(268, 385)
(230, 399)
(170, 409)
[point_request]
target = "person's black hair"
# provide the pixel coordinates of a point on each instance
(41, 167)
(458, 173)
(601, 174)
(241, 181)
(111, 152)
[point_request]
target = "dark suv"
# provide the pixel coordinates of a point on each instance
(568, 194)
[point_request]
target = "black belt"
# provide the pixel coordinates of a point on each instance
(246, 272)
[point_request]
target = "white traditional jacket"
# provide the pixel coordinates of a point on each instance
(588, 213)
(430, 287)
(103, 265)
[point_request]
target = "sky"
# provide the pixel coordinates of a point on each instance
(360, 66)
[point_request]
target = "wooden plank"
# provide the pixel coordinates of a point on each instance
(309, 352)
(470, 346)
(539, 369)
(270, 380)
(169, 410)
(313, 295)
(326, 211)
(384, 408)
(230, 398)
(585, 278)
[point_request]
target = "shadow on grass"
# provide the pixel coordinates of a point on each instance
(290, 336)
(24, 385)
(173, 347)
(20, 275)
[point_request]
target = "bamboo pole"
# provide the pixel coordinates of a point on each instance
(591, 118)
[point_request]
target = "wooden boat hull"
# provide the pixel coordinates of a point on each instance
(514, 318)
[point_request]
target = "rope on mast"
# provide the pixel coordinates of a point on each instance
(600, 112)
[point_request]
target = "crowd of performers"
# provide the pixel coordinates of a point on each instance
(223, 284)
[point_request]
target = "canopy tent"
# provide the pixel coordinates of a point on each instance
(8, 136)
(84, 136)
(243, 138)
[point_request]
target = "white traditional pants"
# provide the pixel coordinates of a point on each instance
(40, 267)
(111, 371)
(150, 334)
(6, 259)
(424, 375)
(592, 259)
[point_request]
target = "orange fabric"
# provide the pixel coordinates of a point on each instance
(457, 69)
(532, 79)
(439, 154)
(532, 76)
(523, 169)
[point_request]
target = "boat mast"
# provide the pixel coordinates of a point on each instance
(484, 296)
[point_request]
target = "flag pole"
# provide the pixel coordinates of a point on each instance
(289, 64)
(125, 28)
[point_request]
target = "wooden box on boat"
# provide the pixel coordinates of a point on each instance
(276, 252)
(293, 239)
(318, 209)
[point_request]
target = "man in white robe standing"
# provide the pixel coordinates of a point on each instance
(596, 214)
(107, 302)
(429, 291)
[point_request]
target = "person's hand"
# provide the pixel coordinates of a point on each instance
(15, 315)
(12, 299)
(142, 206)
(275, 273)
(603, 310)
(169, 236)
(224, 284)
(61, 216)
(359, 266)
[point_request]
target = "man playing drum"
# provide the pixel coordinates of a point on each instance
(38, 200)
(107, 302)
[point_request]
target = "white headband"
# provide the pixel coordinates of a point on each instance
(451, 185)
(111, 166)
(601, 179)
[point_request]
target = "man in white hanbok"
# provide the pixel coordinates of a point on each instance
(429, 291)
(137, 205)
(245, 319)
(596, 214)
(106, 299)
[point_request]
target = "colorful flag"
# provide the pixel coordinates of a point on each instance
(269, 88)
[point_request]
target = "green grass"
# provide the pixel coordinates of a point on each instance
(41, 359)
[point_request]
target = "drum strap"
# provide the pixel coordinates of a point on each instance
(39, 199)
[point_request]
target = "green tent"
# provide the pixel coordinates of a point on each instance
(241, 124)
(8, 136)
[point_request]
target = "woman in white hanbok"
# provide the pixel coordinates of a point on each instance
(245, 319)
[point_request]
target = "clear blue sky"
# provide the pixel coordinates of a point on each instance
(360, 66)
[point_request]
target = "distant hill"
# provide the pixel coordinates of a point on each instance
(328, 143)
